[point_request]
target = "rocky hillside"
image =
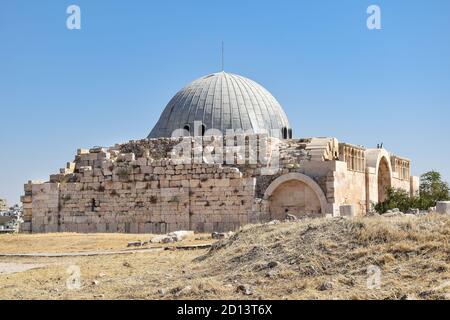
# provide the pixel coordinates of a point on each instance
(401, 257)
(366, 258)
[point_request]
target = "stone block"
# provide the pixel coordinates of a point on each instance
(101, 227)
(222, 182)
(25, 227)
(443, 207)
(146, 170)
(194, 183)
(82, 151)
(159, 170)
(126, 157)
(97, 150)
(141, 185)
(181, 235)
(26, 199)
(27, 187)
(347, 210)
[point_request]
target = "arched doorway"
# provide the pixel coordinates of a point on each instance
(384, 179)
(295, 194)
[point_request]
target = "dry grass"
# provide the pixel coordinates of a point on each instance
(285, 261)
(73, 242)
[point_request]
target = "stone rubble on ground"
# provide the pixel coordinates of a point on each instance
(162, 291)
(220, 236)
(272, 264)
(175, 236)
(325, 286)
(413, 211)
(373, 213)
(393, 213)
(291, 217)
(137, 244)
(244, 289)
(178, 291)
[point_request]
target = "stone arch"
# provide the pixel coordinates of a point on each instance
(296, 194)
(384, 178)
(379, 160)
(284, 133)
(374, 156)
(187, 129)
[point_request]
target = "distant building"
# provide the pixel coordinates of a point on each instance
(3, 205)
(221, 155)
(10, 219)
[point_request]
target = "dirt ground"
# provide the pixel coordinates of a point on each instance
(73, 242)
(8, 267)
(362, 258)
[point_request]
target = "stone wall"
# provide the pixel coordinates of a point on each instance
(144, 196)
(349, 187)
(145, 186)
(140, 187)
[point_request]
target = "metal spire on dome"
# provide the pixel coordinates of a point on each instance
(223, 49)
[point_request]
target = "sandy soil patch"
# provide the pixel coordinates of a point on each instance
(9, 268)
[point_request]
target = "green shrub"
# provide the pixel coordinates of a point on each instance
(395, 198)
(432, 189)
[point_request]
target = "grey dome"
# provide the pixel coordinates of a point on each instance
(223, 101)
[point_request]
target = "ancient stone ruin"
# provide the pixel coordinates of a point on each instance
(205, 181)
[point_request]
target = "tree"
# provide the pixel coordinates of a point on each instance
(432, 189)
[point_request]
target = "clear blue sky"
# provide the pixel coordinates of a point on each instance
(108, 82)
